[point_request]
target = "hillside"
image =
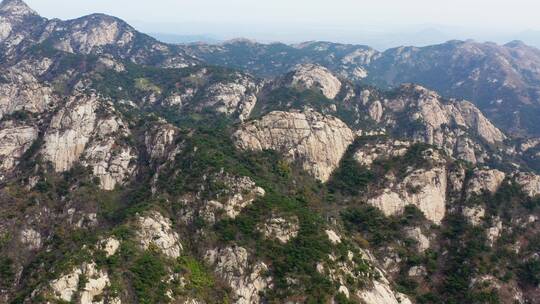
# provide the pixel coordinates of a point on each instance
(132, 171)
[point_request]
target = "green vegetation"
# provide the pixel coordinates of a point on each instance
(198, 277)
(148, 272)
(7, 273)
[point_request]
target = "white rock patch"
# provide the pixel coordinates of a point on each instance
(154, 229)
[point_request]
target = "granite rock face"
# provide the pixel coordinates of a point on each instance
(69, 132)
(77, 133)
(316, 141)
(235, 98)
(15, 140)
(485, 180)
(458, 127)
(530, 183)
(234, 194)
(425, 189)
(89, 291)
(310, 76)
(280, 229)
(156, 230)
(246, 278)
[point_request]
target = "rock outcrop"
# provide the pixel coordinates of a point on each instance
(235, 98)
(111, 159)
(110, 246)
(280, 229)
(93, 287)
(234, 194)
(31, 238)
(485, 180)
(458, 127)
(69, 132)
(371, 151)
(316, 141)
(155, 230)
(77, 133)
(425, 189)
(529, 182)
(246, 278)
(15, 140)
(381, 293)
(311, 76)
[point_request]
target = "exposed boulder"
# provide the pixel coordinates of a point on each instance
(494, 232)
(381, 293)
(235, 194)
(475, 215)
(422, 241)
(485, 180)
(31, 238)
(311, 76)
(529, 182)
(280, 229)
(234, 98)
(425, 189)
(376, 111)
(69, 285)
(333, 236)
(246, 278)
(110, 246)
(369, 152)
(153, 229)
(15, 140)
(316, 141)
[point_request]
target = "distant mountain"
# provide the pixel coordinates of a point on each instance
(179, 39)
(503, 80)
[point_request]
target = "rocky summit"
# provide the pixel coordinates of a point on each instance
(134, 171)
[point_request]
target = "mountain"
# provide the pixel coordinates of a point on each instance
(499, 79)
(132, 172)
(23, 29)
(178, 39)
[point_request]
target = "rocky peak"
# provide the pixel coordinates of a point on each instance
(312, 76)
(16, 8)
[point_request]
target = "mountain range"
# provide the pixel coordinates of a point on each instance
(136, 171)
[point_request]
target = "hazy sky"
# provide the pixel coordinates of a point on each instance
(307, 19)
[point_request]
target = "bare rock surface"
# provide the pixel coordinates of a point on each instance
(311, 76)
(15, 140)
(246, 278)
(316, 141)
(69, 132)
(370, 152)
(488, 180)
(529, 182)
(425, 189)
(156, 230)
(281, 229)
(96, 281)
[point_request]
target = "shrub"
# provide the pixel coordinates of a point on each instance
(148, 272)
(7, 273)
